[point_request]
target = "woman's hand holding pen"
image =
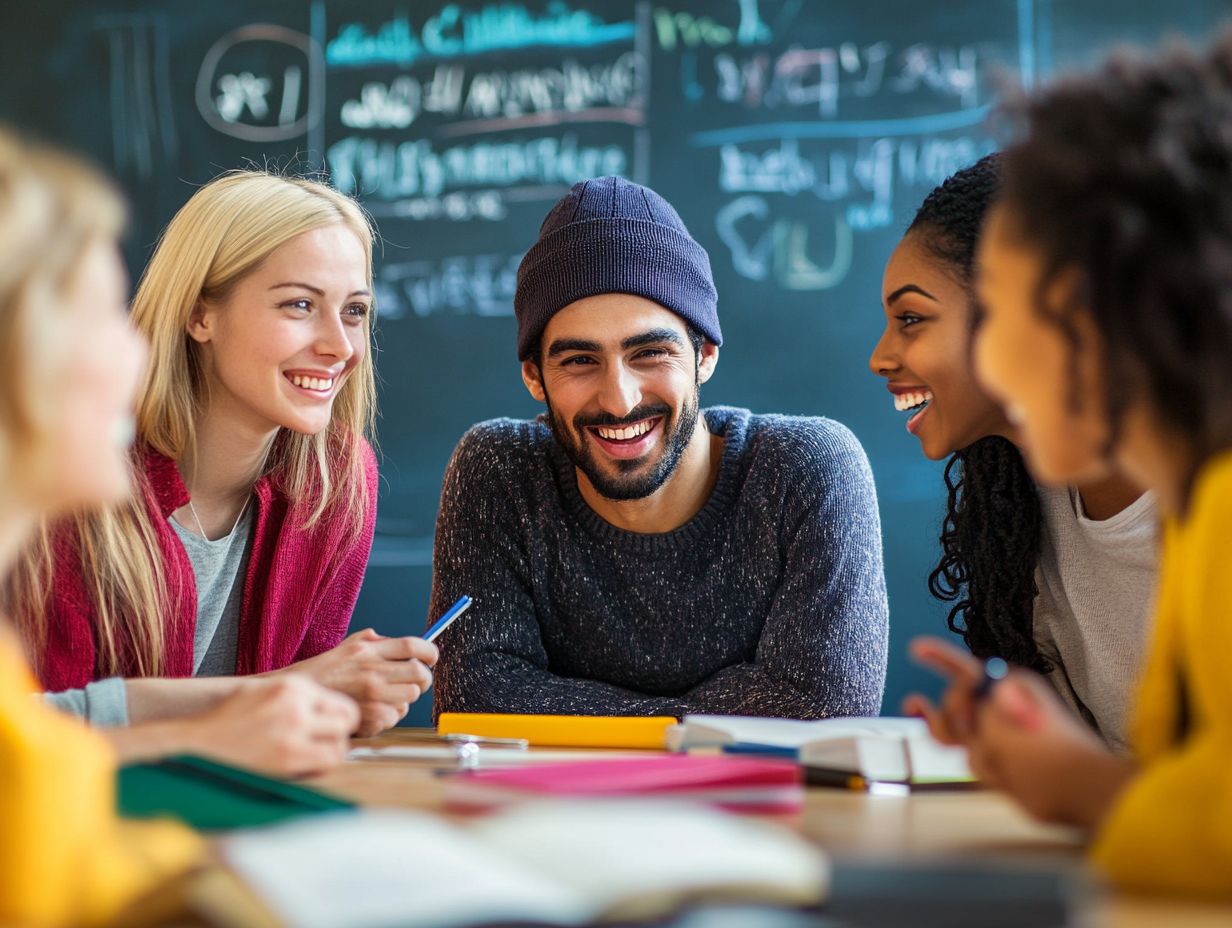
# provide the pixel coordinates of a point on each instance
(1021, 738)
(383, 675)
(953, 720)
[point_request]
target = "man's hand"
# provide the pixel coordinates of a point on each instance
(1022, 739)
(383, 675)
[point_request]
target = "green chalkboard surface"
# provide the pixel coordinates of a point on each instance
(795, 138)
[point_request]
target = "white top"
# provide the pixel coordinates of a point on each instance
(1096, 593)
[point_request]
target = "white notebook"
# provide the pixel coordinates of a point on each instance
(559, 863)
(897, 750)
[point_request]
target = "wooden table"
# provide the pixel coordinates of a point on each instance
(980, 825)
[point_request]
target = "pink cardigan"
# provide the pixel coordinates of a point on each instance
(299, 592)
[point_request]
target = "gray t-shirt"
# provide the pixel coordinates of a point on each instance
(219, 567)
(1096, 591)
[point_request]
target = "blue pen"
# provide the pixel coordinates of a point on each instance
(995, 670)
(447, 619)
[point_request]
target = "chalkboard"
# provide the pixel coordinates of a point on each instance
(794, 138)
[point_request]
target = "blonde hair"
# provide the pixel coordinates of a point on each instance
(53, 208)
(224, 232)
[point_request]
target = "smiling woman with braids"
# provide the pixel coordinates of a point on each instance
(1058, 580)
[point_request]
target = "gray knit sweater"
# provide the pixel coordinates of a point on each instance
(770, 601)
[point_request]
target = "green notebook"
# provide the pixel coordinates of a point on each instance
(212, 796)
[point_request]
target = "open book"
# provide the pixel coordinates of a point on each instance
(559, 863)
(894, 750)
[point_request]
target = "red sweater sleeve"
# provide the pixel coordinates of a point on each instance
(332, 620)
(67, 657)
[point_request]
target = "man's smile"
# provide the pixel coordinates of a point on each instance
(629, 441)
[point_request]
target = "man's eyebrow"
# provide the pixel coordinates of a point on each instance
(908, 288)
(654, 336)
(561, 345)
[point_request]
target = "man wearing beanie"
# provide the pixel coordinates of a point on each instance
(628, 552)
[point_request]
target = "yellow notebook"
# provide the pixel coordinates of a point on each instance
(562, 731)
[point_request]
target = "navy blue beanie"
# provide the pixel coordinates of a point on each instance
(610, 235)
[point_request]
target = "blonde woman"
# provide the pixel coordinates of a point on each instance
(244, 548)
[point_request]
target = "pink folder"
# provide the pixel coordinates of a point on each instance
(735, 783)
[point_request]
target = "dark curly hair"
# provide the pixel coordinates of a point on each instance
(990, 536)
(1125, 175)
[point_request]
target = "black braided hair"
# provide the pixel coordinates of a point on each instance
(990, 541)
(990, 536)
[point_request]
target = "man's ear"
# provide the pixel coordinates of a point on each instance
(707, 358)
(200, 325)
(532, 376)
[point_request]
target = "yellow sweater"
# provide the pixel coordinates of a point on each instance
(1171, 831)
(65, 859)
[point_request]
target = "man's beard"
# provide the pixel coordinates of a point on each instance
(626, 484)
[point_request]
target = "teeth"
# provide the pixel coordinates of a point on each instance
(313, 383)
(905, 401)
(623, 434)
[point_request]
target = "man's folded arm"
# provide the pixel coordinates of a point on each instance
(823, 649)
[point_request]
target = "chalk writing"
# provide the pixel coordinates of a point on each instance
(751, 29)
(778, 250)
(263, 107)
(675, 28)
(689, 31)
(454, 32)
(818, 79)
(857, 179)
(394, 170)
(948, 71)
(569, 88)
(470, 284)
(839, 172)
(240, 91)
(459, 206)
(141, 117)
(451, 91)
(397, 104)
(844, 129)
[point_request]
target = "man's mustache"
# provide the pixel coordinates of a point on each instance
(607, 420)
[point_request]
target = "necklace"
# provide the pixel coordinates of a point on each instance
(201, 528)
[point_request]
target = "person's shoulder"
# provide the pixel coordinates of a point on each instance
(807, 442)
(1210, 501)
(501, 446)
(159, 482)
